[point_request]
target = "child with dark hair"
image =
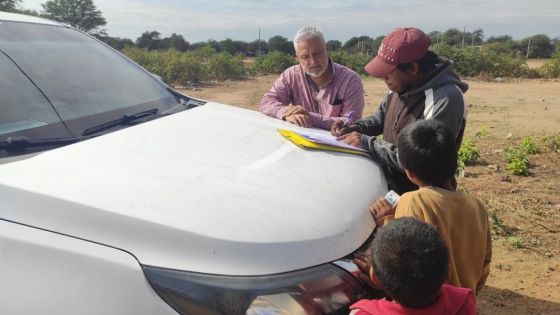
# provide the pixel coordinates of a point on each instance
(410, 261)
(427, 153)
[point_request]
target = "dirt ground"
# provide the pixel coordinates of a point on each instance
(524, 211)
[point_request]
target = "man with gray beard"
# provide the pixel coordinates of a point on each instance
(316, 92)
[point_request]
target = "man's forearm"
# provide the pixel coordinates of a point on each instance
(272, 107)
(381, 151)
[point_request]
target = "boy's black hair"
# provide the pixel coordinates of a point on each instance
(411, 261)
(428, 148)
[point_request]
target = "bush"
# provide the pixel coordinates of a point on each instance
(171, 65)
(552, 143)
(184, 67)
(274, 62)
(551, 68)
(529, 146)
(474, 61)
(355, 62)
(224, 66)
(468, 153)
(516, 242)
(517, 161)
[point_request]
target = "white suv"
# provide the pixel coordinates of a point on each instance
(120, 195)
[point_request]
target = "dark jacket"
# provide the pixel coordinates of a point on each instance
(441, 97)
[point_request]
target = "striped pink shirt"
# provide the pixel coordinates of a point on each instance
(343, 95)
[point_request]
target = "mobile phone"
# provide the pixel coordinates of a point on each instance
(392, 198)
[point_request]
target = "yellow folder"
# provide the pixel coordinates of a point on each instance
(306, 143)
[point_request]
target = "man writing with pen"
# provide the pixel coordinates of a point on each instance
(316, 92)
(422, 85)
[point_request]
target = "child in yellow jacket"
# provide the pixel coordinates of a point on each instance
(427, 152)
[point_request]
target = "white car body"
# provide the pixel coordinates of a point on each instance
(214, 190)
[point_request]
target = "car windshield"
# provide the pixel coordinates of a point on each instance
(58, 82)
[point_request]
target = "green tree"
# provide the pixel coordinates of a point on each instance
(556, 43)
(81, 14)
(333, 45)
(540, 47)
(477, 37)
(27, 12)
(435, 36)
(452, 37)
(214, 44)
(503, 45)
(176, 42)
(253, 47)
(9, 5)
(149, 40)
(362, 44)
(233, 47)
(499, 39)
(115, 42)
(279, 43)
(197, 45)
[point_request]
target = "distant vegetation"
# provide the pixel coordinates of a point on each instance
(486, 61)
(192, 66)
(179, 61)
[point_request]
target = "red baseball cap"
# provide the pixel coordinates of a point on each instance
(402, 45)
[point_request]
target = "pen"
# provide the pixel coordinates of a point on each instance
(348, 120)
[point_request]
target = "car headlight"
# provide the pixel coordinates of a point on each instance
(325, 289)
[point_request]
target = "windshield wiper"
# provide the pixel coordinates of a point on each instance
(126, 119)
(21, 142)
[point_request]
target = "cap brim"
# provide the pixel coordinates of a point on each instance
(378, 68)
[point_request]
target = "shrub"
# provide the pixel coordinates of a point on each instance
(183, 67)
(552, 143)
(482, 133)
(551, 68)
(516, 242)
(274, 62)
(529, 146)
(517, 161)
(224, 66)
(355, 62)
(474, 61)
(468, 153)
(171, 65)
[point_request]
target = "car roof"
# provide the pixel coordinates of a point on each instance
(14, 17)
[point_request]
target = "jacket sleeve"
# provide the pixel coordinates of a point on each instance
(274, 102)
(382, 151)
(449, 107)
(373, 124)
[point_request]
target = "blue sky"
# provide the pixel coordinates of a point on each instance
(200, 20)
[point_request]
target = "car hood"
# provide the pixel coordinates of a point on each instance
(214, 189)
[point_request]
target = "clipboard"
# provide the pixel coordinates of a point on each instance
(309, 143)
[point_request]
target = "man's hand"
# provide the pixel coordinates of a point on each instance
(353, 138)
(381, 208)
(295, 109)
(301, 120)
(338, 128)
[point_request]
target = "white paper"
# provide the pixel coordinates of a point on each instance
(327, 139)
